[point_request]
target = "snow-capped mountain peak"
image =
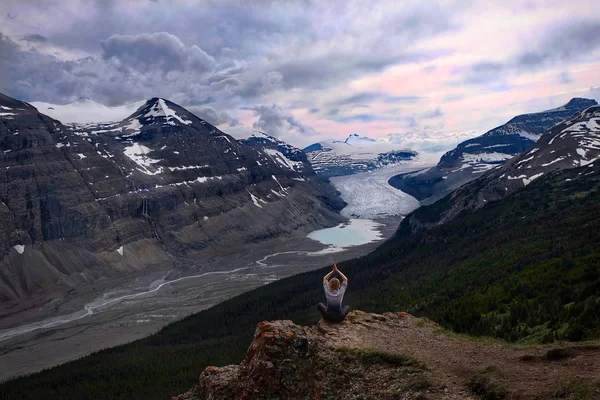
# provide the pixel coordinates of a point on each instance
(163, 112)
(356, 139)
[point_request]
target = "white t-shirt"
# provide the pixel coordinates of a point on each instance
(334, 297)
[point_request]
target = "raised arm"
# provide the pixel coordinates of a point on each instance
(326, 277)
(335, 269)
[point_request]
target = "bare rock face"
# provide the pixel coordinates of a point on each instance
(162, 187)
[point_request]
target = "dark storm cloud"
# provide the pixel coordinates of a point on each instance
(361, 118)
(226, 53)
(563, 43)
(275, 120)
(212, 25)
(325, 70)
(35, 38)
(33, 75)
(160, 50)
(431, 114)
(113, 79)
(482, 72)
(214, 116)
(564, 78)
(366, 97)
(359, 98)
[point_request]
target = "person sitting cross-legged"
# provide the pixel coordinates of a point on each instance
(334, 292)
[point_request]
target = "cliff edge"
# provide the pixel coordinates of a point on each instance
(397, 356)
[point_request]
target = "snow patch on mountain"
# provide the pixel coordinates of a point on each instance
(85, 110)
(134, 128)
(281, 159)
(255, 200)
(138, 153)
(483, 161)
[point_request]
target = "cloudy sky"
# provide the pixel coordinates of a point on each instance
(425, 74)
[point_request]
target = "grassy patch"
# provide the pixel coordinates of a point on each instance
(487, 385)
(418, 383)
(481, 339)
(578, 389)
(559, 353)
(372, 356)
(424, 323)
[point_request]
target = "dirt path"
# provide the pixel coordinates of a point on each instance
(525, 372)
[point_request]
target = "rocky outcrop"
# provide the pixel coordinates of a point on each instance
(391, 356)
(80, 202)
(287, 361)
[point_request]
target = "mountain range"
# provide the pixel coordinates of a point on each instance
(355, 154)
(86, 200)
(570, 144)
(471, 158)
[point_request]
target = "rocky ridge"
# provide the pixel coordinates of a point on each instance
(284, 153)
(473, 157)
(574, 143)
(389, 356)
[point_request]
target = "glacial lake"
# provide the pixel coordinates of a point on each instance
(355, 232)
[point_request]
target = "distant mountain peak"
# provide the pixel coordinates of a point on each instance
(576, 102)
(355, 137)
(86, 101)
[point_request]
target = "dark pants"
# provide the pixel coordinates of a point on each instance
(333, 315)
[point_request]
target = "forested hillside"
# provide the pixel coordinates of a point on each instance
(525, 268)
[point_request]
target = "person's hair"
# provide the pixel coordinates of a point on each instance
(334, 284)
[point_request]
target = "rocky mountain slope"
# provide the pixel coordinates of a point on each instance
(395, 356)
(571, 144)
(353, 155)
(284, 153)
(473, 157)
(160, 187)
